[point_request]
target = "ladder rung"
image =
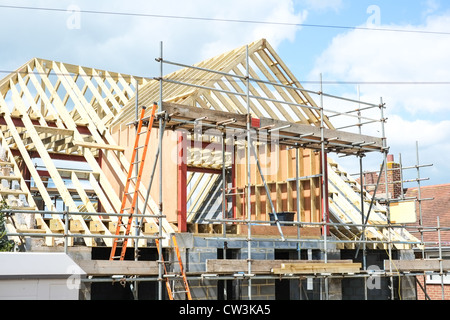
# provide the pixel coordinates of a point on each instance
(147, 131)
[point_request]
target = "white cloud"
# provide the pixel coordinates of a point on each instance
(323, 4)
(431, 7)
(415, 112)
(386, 57)
(130, 43)
(401, 131)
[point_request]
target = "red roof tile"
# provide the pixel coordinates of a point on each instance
(431, 209)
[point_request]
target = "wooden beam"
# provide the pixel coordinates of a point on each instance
(93, 145)
(204, 170)
(97, 126)
(59, 183)
(125, 268)
(70, 123)
(101, 101)
(12, 192)
(10, 178)
(54, 130)
(90, 208)
(290, 79)
(26, 157)
(313, 268)
(416, 265)
(24, 186)
(230, 266)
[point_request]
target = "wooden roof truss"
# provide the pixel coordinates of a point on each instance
(220, 84)
(54, 112)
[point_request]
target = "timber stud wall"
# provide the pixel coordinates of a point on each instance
(280, 178)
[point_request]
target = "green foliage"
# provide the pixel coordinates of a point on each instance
(5, 244)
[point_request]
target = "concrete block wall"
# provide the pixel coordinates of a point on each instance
(195, 250)
(203, 289)
(353, 288)
(261, 289)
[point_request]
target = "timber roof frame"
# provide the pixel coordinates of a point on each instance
(54, 110)
(191, 86)
(57, 111)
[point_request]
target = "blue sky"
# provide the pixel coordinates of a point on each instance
(349, 14)
(129, 44)
(415, 112)
(354, 14)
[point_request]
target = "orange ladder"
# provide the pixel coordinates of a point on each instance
(170, 290)
(129, 211)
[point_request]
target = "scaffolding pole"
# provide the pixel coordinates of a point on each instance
(249, 142)
(136, 210)
(325, 224)
(247, 95)
(324, 183)
(324, 276)
(160, 227)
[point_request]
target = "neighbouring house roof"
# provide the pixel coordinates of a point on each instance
(432, 209)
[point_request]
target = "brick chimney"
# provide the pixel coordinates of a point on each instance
(393, 176)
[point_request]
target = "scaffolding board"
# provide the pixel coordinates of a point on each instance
(290, 133)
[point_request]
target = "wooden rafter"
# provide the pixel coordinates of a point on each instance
(263, 61)
(49, 101)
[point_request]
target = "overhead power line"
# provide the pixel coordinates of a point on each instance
(149, 15)
(330, 82)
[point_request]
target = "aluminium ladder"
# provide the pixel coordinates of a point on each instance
(171, 291)
(140, 124)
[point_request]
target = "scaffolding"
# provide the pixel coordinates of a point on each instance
(294, 135)
(324, 148)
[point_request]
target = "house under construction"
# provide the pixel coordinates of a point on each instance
(218, 181)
